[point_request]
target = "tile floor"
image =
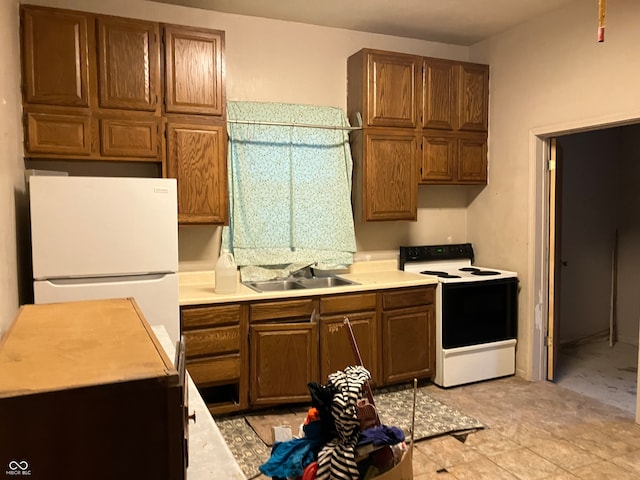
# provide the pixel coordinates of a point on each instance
(535, 430)
(582, 427)
(597, 370)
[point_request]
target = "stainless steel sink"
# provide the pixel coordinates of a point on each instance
(324, 282)
(297, 284)
(274, 285)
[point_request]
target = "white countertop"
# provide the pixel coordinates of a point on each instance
(209, 455)
(199, 287)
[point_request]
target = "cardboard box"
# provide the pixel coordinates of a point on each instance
(403, 470)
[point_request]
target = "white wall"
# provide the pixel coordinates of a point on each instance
(11, 170)
(547, 74)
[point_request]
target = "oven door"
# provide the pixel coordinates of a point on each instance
(479, 312)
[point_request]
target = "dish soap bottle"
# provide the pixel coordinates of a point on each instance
(226, 274)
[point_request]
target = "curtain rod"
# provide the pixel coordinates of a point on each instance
(305, 125)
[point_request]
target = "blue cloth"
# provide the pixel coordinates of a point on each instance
(381, 435)
(290, 186)
(289, 459)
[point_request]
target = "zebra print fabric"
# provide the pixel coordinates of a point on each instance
(336, 460)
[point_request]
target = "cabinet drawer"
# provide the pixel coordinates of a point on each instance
(193, 317)
(129, 138)
(215, 370)
(408, 298)
(284, 310)
(348, 303)
(58, 134)
(212, 341)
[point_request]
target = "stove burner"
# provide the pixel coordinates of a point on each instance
(439, 274)
(469, 269)
(485, 273)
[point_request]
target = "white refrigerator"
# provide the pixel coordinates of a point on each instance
(104, 237)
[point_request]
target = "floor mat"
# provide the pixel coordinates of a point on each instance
(433, 418)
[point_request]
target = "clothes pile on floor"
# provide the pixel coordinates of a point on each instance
(340, 437)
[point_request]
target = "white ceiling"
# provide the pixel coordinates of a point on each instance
(460, 22)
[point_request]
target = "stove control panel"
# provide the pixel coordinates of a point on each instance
(425, 253)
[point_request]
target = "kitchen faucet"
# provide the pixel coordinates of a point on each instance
(304, 272)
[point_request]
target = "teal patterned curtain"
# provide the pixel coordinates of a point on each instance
(290, 187)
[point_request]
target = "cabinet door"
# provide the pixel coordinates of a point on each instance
(473, 97)
(392, 89)
(57, 134)
(336, 352)
(196, 158)
(408, 344)
(438, 158)
(439, 93)
(390, 177)
(194, 70)
(128, 64)
(130, 137)
(472, 159)
(55, 55)
(284, 359)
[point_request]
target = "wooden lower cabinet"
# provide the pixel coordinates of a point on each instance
(261, 354)
(408, 335)
(216, 354)
(284, 359)
(335, 348)
(283, 350)
(336, 352)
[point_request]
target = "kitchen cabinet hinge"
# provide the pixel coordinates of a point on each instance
(551, 165)
(548, 341)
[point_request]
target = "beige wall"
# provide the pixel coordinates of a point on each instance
(11, 170)
(548, 75)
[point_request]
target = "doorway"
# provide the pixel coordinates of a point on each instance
(592, 263)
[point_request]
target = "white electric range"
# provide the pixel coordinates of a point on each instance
(476, 313)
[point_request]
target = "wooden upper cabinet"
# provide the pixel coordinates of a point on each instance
(194, 71)
(439, 94)
(438, 158)
(453, 158)
(57, 134)
(455, 121)
(55, 56)
(456, 95)
(384, 87)
(194, 151)
(135, 137)
(472, 159)
(389, 172)
(473, 97)
(128, 64)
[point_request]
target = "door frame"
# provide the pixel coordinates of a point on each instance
(539, 226)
